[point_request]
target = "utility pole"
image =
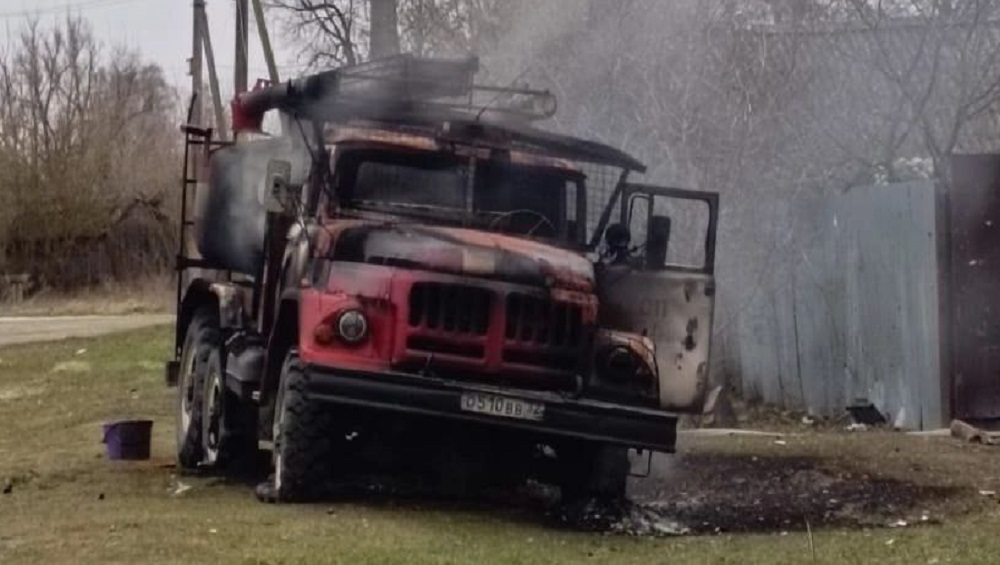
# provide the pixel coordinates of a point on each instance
(265, 42)
(384, 39)
(242, 40)
(196, 59)
(213, 77)
(197, 103)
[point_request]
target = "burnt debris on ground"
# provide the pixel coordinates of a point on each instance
(712, 493)
(693, 493)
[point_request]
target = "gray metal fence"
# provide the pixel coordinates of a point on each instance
(857, 318)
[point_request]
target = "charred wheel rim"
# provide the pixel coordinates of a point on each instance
(214, 415)
(187, 391)
(276, 434)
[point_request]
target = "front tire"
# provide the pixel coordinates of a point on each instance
(200, 339)
(303, 442)
(593, 471)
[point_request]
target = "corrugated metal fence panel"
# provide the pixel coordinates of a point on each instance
(818, 297)
(890, 254)
(788, 338)
(856, 318)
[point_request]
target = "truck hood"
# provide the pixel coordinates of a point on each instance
(459, 251)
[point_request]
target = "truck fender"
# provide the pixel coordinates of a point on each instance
(224, 298)
(230, 299)
(284, 336)
(196, 297)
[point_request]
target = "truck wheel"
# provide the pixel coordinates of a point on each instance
(593, 471)
(201, 338)
(303, 442)
(227, 432)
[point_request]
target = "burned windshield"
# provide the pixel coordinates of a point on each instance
(435, 183)
(502, 196)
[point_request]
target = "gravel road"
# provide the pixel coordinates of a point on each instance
(31, 329)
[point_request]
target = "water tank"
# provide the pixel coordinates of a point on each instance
(230, 211)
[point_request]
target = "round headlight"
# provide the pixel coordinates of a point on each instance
(352, 326)
(617, 364)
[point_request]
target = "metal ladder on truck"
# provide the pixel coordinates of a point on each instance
(197, 140)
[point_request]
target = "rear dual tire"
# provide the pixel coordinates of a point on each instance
(228, 426)
(213, 429)
(200, 340)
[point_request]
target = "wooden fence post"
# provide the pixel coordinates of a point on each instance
(12, 287)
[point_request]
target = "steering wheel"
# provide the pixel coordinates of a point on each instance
(542, 220)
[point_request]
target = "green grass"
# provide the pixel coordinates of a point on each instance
(50, 431)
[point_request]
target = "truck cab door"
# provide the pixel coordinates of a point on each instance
(656, 278)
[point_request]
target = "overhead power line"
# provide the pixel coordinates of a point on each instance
(64, 7)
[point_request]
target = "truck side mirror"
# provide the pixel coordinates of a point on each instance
(617, 238)
(657, 241)
(278, 178)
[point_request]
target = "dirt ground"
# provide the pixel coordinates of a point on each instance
(761, 485)
(816, 480)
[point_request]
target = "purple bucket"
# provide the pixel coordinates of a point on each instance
(128, 439)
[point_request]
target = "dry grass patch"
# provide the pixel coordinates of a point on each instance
(154, 295)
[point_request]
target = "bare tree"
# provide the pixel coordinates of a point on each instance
(338, 32)
(88, 141)
(447, 27)
(332, 32)
(888, 82)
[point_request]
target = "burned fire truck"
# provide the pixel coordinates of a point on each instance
(412, 263)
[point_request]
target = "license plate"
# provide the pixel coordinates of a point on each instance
(502, 406)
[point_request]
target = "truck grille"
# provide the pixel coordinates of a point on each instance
(542, 333)
(541, 321)
(449, 318)
(475, 332)
(450, 308)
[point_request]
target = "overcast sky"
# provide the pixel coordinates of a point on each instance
(159, 29)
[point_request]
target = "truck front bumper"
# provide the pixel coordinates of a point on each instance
(564, 416)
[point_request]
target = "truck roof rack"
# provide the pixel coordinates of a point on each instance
(513, 137)
(402, 85)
